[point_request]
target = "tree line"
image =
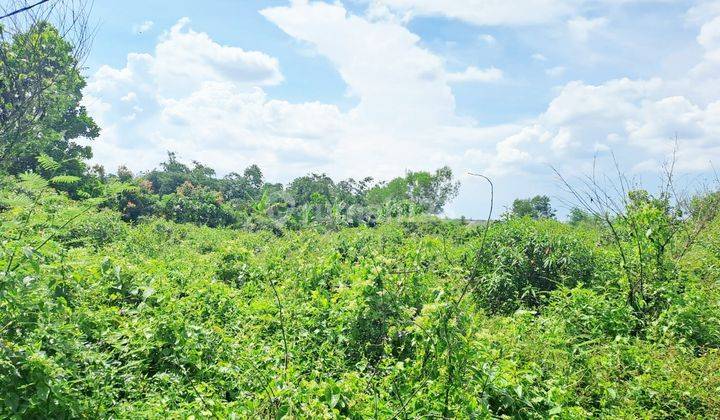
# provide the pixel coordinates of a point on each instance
(195, 194)
(41, 115)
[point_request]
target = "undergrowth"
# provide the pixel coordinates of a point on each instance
(101, 319)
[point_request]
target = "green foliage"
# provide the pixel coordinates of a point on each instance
(537, 208)
(136, 202)
(47, 163)
(233, 267)
(163, 319)
(579, 216)
(645, 233)
(247, 200)
(174, 174)
(292, 314)
(693, 319)
(587, 314)
(95, 230)
(244, 188)
(523, 261)
(40, 112)
(429, 192)
(311, 189)
(196, 204)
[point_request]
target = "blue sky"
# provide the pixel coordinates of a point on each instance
(378, 87)
(234, 23)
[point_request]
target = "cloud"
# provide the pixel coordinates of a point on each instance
(582, 120)
(183, 57)
(631, 117)
(642, 121)
(209, 102)
(398, 83)
(709, 37)
(498, 12)
(703, 11)
(488, 39)
(642, 117)
(143, 27)
(556, 71)
(205, 101)
(580, 28)
(474, 74)
(486, 12)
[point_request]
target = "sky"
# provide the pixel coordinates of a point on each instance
(354, 88)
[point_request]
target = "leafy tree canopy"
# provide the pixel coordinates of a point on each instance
(306, 188)
(40, 94)
(536, 208)
(431, 192)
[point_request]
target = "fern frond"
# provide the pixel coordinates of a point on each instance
(48, 163)
(64, 179)
(30, 181)
(16, 201)
(119, 187)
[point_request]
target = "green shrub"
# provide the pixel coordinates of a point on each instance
(523, 260)
(179, 320)
(199, 205)
(692, 319)
(95, 229)
(137, 203)
(588, 315)
(233, 267)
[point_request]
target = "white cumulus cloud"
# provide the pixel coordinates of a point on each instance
(556, 71)
(500, 12)
(209, 102)
(486, 12)
(205, 101)
(488, 39)
(184, 57)
(143, 27)
(580, 28)
(396, 80)
(474, 74)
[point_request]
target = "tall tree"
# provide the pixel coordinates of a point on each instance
(41, 89)
(304, 189)
(537, 207)
(430, 192)
(173, 173)
(243, 189)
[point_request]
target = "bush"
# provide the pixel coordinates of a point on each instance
(523, 260)
(137, 203)
(198, 205)
(95, 229)
(693, 318)
(179, 320)
(233, 267)
(587, 314)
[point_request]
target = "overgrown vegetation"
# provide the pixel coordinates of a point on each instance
(175, 293)
(101, 318)
(194, 194)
